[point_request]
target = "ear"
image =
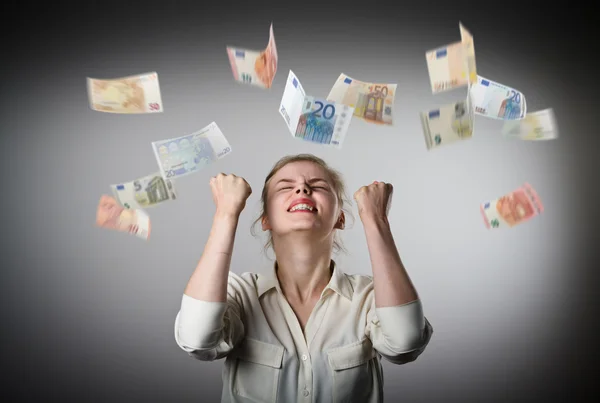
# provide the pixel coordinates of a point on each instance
(265, 224)
(341, 222)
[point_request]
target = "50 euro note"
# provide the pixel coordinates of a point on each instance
(540, 125)
(111, 215)
(255, 67)
(497, 101)
(513, 208)
(453, 65)
(187, 154)
(147, 191)
(133, 94)
(313, 119)
(447, 124)
(371, 102)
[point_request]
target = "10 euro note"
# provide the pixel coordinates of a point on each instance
(497, 101)
(313, 119)
(447, 124)
(540, 125)
(514, 208)
(133, 94)
(147, 191)
(187, 154)
(255, 67)
(371, 102)
(111, 215)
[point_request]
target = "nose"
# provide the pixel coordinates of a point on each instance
(303, 188)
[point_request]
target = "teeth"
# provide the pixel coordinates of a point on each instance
(301, 207)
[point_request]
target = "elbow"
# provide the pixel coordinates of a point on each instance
(410, 346)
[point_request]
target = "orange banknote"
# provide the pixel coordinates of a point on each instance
(514, 208)
(112, 215)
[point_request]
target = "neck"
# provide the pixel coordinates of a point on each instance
(303, 269)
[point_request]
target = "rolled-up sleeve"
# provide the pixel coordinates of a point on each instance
(399, 333)
(209, 330)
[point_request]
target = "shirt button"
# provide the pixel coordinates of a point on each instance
(304, 358)
(305, 393)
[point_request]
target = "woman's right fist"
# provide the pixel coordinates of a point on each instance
(230, 193)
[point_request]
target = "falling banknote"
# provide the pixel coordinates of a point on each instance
(313, 119)
(146, 191)
(371, 102)
(452, 66)
(497, 101)
(190, 153)
(111, 215)
(447, 124)
(255, 67)
(540, 125)
(514, 208)
(134, 94)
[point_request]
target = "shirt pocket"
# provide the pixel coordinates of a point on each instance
(257, 371)
(353, 371)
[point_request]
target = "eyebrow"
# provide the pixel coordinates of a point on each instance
(309, 181)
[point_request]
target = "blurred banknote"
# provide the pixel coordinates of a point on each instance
(540, 125)
(254, 67)
(371, 102)
(146, 191)
(111, 215)
(497, 101)
(190, 153)
(452, 66)
(447, 124)
(514, 208)
(134, 94)
(313, 119)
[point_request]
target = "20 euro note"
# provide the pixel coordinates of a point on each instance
(147, 191)
(371, 102)
(453, 65)
(133, 94)
(540, 125)
(447, 124)
(497, 101)
(313, 119)
(255, 67)
(514, 208)
(187, 154)
(111, 215)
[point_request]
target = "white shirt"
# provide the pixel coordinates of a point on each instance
(269, 358)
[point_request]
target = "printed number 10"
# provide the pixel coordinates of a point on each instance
(327, 107)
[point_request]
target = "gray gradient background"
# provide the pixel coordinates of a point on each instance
(88, 313)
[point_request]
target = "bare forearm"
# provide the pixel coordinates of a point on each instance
(390, 280)
(209, 280)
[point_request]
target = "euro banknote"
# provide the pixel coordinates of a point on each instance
(147, 191)
(497, 101)
(255, 67)
(313, 119)
(453, 65)
(133, 94)
(111, 215)
(540, 125)
(371, 101)
(514, 208)
(447, 124)
(187, 154)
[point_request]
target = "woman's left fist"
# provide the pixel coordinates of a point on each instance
(375, 200)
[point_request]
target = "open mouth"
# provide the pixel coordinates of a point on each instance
(302, 208)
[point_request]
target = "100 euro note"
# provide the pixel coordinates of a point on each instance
(540, 125)
(184, 155)
(453, 65)
(313, 119)
(255, 67)
(447, 124)
(111, 215)
(514, 208)
(371, 102)
(133, 94)
(147, 191)
(497, 101)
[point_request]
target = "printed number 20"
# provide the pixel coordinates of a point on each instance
(515, 96)
(328, 106)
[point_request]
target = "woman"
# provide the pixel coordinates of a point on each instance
(305, 332)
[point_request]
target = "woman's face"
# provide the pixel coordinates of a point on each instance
(301, 180)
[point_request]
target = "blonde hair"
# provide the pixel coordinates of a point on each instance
(338, 186)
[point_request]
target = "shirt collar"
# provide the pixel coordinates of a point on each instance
(339, 282)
